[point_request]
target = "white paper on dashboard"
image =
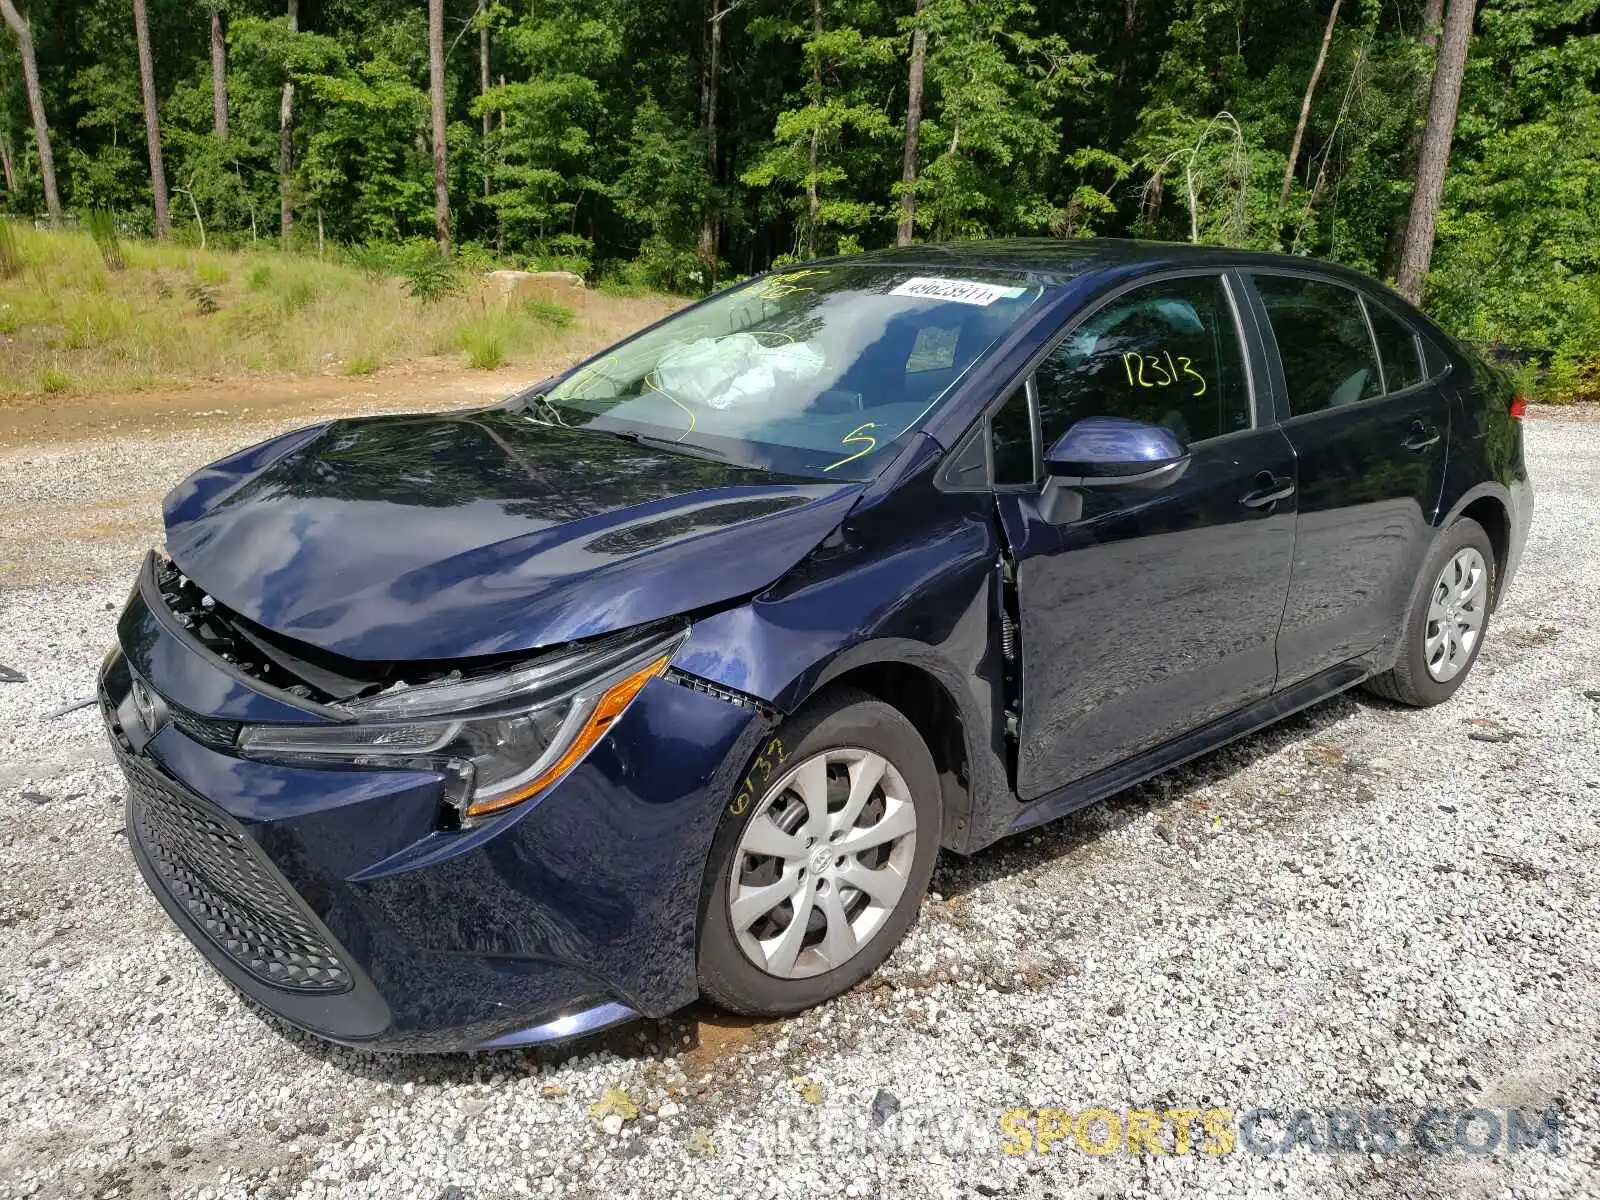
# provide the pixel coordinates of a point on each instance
(961, 291)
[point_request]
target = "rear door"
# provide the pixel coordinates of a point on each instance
(1144, 613)
(1370, 433)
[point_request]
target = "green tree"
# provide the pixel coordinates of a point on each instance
(663, 191)
(819, 146)
(674, 143)
(23, 31)
(995, 136)
(550, 158)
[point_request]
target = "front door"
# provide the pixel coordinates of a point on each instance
(1370, 432)
(1147, 613)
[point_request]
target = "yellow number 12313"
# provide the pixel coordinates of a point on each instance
(1166, 374)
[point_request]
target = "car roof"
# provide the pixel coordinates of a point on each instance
(1064, 259)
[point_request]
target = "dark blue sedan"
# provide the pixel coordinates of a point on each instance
(670, 676)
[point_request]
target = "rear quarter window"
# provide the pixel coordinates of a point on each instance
(1434, 360)
(1399, 349)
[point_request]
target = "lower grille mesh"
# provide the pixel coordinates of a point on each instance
(225, 884)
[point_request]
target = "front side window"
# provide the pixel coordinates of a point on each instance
(1011, 436)
(817, 371)
(1167, 353)
(1399, 350)
(1322, 341)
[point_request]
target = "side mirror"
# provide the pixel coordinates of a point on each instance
(1113, 452)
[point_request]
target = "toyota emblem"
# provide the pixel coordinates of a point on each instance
(145, 705)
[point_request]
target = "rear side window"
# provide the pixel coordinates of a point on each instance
(1322, 340)
(1166, 353)
(1399, 349)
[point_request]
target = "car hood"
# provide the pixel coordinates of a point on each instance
(412, 538)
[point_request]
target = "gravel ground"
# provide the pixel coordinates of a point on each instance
(1365, 906)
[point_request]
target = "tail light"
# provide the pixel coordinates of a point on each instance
(1519, 407)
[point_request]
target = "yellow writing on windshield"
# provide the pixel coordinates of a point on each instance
(856, 437)
(1164, 370)
(651, 385)
(776, 287)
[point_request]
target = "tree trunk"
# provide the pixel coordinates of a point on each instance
(152, 120)
(41, 127)
(1416, 252)
(708, 119)
(908, 163)
(813, 198)
(8, 165)
(483, 84)
(1130, 19)
(219, 76)
(441, 178)
(1305, 105)
(286, 143)
(1432, 16)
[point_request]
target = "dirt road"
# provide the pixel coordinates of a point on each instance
(83, 476)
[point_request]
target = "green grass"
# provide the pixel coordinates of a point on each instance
(622, 289)
(547, 312)
(177, 314)
(485, 347)
(297, 292)
(10, 253)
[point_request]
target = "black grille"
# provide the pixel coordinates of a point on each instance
(209, 730)
(222, 880)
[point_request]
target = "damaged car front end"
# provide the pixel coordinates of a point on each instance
(420, 862)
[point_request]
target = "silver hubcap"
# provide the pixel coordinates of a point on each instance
(1456, 613)
(822, 863)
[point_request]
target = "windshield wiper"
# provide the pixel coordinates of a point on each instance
(645, 439)
(539, 409)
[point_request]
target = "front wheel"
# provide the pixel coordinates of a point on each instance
(822, 858)
(1445, 627)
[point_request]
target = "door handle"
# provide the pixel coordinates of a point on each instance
(1422, 436)
(1270, 489)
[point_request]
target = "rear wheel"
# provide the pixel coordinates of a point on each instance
(1445, 628)
(822, 858)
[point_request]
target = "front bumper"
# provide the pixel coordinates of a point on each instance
(337, 898)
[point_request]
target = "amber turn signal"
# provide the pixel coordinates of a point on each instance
(611, 705)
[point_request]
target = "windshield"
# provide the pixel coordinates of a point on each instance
(817, 371)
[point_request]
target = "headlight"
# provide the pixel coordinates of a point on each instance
(499, 739)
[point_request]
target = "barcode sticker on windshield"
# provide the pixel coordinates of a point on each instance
(962, 291)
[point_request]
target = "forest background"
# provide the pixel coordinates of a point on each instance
(1452, 149)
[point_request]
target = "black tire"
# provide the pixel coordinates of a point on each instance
(1408, 681)
(841, 718)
